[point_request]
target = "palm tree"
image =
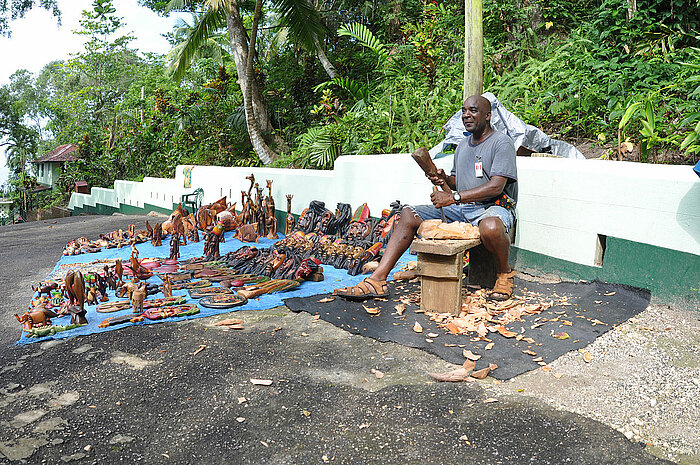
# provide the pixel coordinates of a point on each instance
(212, 46)
(304, 25)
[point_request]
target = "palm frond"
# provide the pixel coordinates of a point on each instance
(358, 90)
(365, 37)
(319, 146)
(207, 24)
(302, 19)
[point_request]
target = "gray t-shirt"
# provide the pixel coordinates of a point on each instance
(497, 155)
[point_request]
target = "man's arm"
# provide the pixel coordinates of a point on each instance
(493, 188)
(442, 178)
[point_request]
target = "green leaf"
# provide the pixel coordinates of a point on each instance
(689, 139)
(302, 19)
(362, 34)
(206, 26)
(648, 130)
(649, 110)
(629, 113)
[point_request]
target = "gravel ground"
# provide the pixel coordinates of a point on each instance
(643, 380)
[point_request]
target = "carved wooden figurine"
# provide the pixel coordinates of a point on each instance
(167, 287)
(137, 298)
(271, 222)
(75, 288)
(157, 235)
(174, 246)
(291, 222)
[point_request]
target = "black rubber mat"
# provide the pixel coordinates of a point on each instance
(593, 309)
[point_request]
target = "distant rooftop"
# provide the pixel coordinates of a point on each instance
(62, 153)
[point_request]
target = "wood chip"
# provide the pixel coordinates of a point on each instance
(469, 355)
(372, 310)
(587, 357)
(481, 374)
(490, 400)
(377, 374)
(327, 299)
(433, 335)
(228, 322)
(400, 308)
(201, 348)
(489, 346)
(417, 327)
(468, 365)
(261, 382)
(529, 352)
(242, 400)
(505, 332)
(454, 376)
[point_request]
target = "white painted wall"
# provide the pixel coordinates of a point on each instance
(563, 204)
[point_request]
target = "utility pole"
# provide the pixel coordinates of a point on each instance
(473, 48)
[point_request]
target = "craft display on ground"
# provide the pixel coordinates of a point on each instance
(139, 278)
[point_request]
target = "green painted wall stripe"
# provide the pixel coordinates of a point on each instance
(673, 277)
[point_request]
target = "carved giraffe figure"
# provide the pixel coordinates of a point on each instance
(290, 218)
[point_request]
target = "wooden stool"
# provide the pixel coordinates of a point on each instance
(440, 265)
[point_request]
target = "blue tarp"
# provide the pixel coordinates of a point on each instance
(334, 278)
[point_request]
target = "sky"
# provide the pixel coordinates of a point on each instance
(37, 39)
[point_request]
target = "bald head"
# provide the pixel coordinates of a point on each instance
(479, 101)
(476, 115)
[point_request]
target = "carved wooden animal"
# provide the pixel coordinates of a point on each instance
(35, 318)
(91, 297)
(45, 289)
(137, 298)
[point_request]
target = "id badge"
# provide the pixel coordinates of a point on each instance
(478, 169)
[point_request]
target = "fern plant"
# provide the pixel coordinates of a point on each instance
(320, 145)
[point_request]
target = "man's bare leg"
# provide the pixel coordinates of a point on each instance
(401, 238)
(494, 237)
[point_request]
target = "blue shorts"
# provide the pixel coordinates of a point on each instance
(469, 213)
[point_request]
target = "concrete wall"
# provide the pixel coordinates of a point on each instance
(563, 206)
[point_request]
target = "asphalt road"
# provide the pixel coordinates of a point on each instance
(142, 395)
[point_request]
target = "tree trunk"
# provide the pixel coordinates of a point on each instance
(325, 62)
(473, 48)
(631, 9)
(239, 47)
(264, 153)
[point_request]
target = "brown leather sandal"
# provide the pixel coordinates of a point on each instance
(503, 289)
(368, 289)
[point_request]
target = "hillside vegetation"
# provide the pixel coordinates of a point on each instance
(356, 77)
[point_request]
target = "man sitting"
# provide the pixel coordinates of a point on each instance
(484, 181)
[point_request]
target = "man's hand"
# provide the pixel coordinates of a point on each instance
(439, 179)
(441, 199)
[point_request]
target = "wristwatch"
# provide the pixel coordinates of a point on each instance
(456, 197)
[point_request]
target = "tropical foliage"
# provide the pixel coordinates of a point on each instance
(299, 83)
